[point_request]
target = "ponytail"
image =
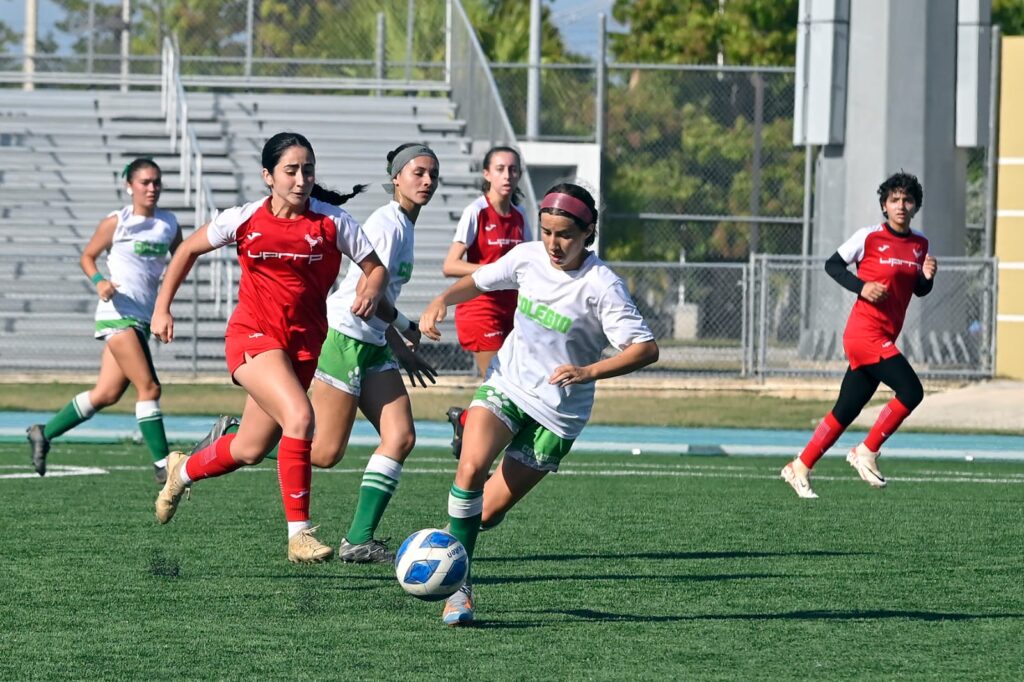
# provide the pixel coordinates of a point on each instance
(332, 197)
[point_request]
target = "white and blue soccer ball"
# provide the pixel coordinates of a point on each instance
(431, 564)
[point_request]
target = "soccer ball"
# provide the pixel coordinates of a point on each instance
(431, 564)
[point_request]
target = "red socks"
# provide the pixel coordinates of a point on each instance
(462, 418)
(889, 419)
(824, 437)
(294, 473)
(213, 460)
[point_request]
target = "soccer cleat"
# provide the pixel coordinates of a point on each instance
(169, 496)
(458, 608)
(371, 552)
(305, 548)
(40, 446)
(455, 419)
(863, 460)
(160, 474)
(219, 428)
(798, 480)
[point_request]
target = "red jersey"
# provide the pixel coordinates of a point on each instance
(288, 267)
(888, 258)
(488, 236)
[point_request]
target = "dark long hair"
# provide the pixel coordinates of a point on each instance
(276, 146)
(576, 192)
(138, 164)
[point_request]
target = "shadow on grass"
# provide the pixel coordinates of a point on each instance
(874, 614)
(664, 556)
(624, 577)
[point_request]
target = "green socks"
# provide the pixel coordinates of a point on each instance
(380, 479)
(71, 415)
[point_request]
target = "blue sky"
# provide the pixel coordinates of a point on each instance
(577, 19)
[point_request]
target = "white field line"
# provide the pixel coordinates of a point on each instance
(592, 469)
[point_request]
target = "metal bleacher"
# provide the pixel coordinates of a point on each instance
(61, 153)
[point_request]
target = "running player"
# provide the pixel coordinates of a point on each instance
(540, 390)
(137, 239)
(893, 264)
(489, 228)
(289, 246)
(357, 369)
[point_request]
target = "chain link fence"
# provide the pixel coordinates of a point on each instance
(771, 316)
(797, 314)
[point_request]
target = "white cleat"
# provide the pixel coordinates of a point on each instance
(864, 461)
(796, 474)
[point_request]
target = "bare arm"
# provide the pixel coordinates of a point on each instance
(181, 264)
(371, 286)
(632, 358)
(102, 239)
(460, 292)
(455, 263)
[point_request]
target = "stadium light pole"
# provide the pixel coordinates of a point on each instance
(533, 75)
(29, 65)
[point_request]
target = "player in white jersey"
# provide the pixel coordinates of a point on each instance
(360, 361)
(137, 239)
(539, 390)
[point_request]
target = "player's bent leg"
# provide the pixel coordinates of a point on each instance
(511, 481)
(337, 413)
(225, 424)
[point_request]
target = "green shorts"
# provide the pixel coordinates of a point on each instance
(344, 362)
(107, 328)
(533, 445)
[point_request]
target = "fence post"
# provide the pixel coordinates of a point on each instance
(762, 326)
(805, 236)
(126, 42)
(248, 37)
(31, 27)
(448, 27)
(533, 75)
(757, 80)
(602, 75)
(410, 25)
(992, 151)
(91, 38)
(379, 59)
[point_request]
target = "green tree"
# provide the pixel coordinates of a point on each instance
(1009, 15)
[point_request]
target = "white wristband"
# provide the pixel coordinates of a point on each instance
(401, 322)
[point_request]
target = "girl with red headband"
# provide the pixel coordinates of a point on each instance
(540, 390)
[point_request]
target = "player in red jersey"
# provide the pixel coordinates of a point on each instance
(289, 246)
(893, 264)
(488, 229)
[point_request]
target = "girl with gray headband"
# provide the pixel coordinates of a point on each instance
(360, 363)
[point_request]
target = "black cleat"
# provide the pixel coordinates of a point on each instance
(219, 428)
(455, 419)
(40, 446)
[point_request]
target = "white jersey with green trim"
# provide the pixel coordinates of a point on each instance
(391, 233)
(562, 318)
(135, 263)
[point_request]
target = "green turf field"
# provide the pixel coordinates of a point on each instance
(620, 568)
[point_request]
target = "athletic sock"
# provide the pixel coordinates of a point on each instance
(71, 415)
(151, 424)
(824, 437)
(296, 527)
(213, 460)
(889, 419)
(380, 479)
(465, 509)
(462, 417)
(294, 474)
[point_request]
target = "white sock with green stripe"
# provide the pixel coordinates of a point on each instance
(151, 424)
(71, 415)
(380, 479)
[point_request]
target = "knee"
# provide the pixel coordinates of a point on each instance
(149, 391)
(101, 398)
(400, 446)
(471, 475)
(911, 397)
(325, 457)
(298, 422)
(246, 456)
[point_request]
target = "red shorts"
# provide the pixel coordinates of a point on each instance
(240, 344)
(868, 350)
(483, 331)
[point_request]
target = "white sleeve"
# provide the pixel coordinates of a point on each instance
(466, 230)
(223, 229)
(382, 239)
(852, 250)
(621, 320)
(352, 241)
(501, 274)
